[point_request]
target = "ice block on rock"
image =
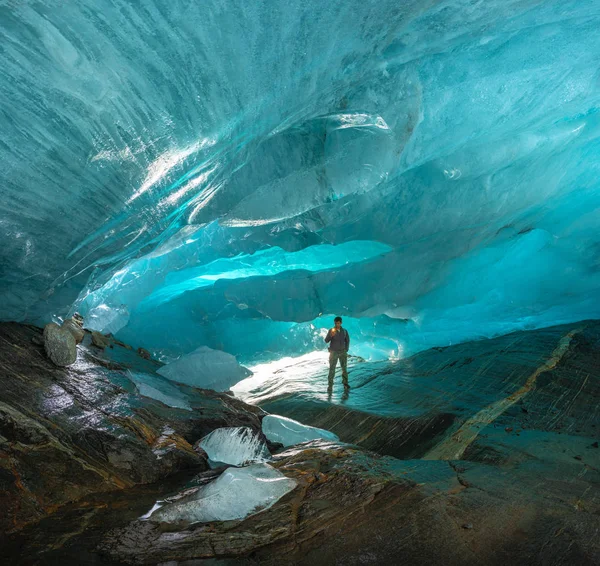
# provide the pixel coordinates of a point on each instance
(160, 389)
(206, 368)
(289, 432)
(235, 446)
(237, 493)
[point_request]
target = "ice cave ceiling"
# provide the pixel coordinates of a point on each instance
(234, 173)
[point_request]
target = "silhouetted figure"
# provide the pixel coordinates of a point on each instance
(339, 342)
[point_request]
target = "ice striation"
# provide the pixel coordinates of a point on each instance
(289, 432)
(237, 493)
(206, 368)
(236, 446)
(233, 174)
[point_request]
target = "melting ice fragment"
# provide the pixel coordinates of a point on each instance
(289, 432)
(106, 319)
(235, 446)
(160, 389)
(206, 368)
(237, 493)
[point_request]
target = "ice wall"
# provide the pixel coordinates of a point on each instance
(227, 173)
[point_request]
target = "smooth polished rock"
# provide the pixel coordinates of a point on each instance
(69, 432)
(537, 388)
(353, 507)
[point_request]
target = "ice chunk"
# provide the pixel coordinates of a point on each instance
(237, 493)
(235, 446)
(206, 368)
(106, 319)
(289, 432)
(160, 389)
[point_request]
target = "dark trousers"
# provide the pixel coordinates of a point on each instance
(333, 360)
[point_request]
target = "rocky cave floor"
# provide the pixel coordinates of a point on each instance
(480, 453)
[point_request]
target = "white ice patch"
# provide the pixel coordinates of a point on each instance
(235, 446)
(289, 432)
(106, 319)
(237, 493)
(206, 368)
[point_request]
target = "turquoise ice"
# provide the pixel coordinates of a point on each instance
(234, 174)
(205, 368)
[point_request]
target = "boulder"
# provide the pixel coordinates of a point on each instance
(75, 329)
(60, 345)
(99, 340)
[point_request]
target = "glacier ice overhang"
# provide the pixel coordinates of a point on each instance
(429, 170)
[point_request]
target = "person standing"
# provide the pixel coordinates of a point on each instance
(339, 342)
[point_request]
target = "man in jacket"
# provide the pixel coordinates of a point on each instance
(339, 342)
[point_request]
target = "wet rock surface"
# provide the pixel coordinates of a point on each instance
(351, 506)
(496, 463)
(68, 432)
(536, 394)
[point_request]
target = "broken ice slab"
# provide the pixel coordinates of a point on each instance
(237, 493)
(206, 368)
(160, 389)
(106, 319)
(289, 432)
(235, 446)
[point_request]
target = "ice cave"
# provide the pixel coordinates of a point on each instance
(207, 205)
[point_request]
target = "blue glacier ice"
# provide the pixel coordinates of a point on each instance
(205, 368)
(107, 319)
(234, 174)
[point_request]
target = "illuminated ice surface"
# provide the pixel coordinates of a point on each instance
(106, 319)
(289, 432)
(206, 368)
(427, 170)
(235, 494)
(235, 446)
